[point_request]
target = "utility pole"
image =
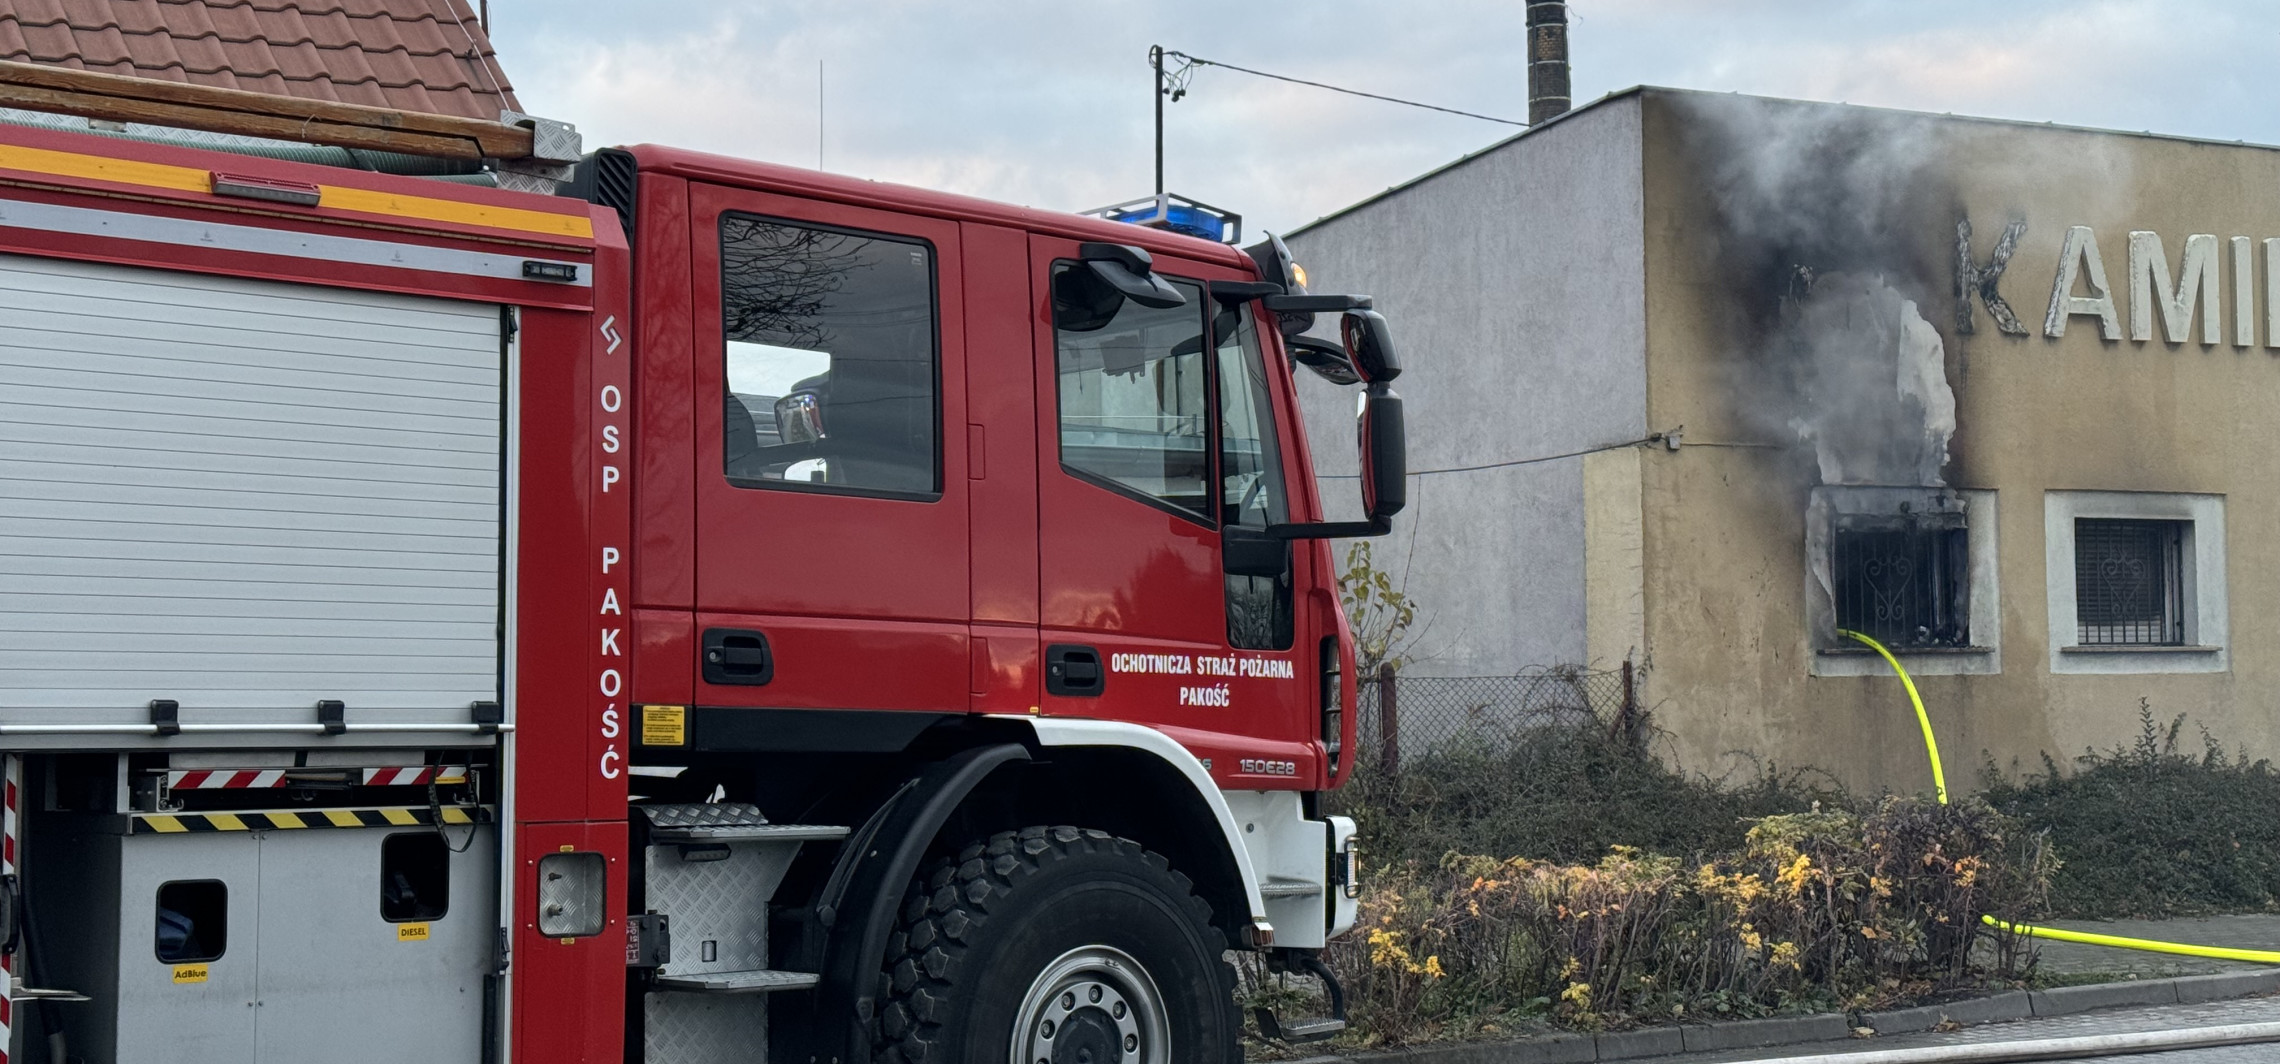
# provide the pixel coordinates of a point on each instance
(1156, 59)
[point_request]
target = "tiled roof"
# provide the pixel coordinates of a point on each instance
(411, 55)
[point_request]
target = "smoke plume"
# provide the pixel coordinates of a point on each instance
(1822, 216)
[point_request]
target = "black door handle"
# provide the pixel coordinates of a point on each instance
(737, 656)
(1073, 670)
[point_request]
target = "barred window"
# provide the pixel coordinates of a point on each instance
(1902, 586)
(2129, 582)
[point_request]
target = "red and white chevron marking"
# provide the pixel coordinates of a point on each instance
(405, 777)
(215, 779)
(11, 784)
(220, 779)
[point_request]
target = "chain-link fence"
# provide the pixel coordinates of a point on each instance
(1414, 714)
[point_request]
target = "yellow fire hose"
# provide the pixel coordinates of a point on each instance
(1931, 744)
(1939, 783)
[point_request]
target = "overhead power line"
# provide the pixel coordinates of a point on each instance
(1659, 437)
(1193, 61)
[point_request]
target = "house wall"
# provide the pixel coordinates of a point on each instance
(1514, 283)
(2043, 423)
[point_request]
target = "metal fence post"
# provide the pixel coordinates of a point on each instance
(1628, 717)
(1389, 720)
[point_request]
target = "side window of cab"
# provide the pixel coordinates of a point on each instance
(1134, 391)
(832, 361)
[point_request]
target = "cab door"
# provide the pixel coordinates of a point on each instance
(831, 541)
(1157, 429)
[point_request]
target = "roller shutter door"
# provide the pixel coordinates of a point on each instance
(245, 496)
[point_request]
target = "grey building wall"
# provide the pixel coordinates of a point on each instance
(1515, 284)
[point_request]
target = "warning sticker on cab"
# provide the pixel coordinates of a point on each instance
(190, 973)
(412, 932)
(664, 725)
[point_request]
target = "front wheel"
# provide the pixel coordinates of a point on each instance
(1057, 945)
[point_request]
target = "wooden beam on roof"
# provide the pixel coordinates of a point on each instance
(116, 97)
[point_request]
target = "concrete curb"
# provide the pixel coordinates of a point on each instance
(1828, 1026)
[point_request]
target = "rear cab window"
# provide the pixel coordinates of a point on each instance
(831, 360)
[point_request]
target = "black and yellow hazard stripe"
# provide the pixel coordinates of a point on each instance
(402, 816)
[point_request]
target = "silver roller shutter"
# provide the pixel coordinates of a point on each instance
(245, 496)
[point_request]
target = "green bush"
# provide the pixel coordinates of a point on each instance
(1561, 792)
(2148, 829)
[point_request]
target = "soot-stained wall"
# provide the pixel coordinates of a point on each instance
(1826, 297)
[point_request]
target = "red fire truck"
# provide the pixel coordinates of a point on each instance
(724, 612)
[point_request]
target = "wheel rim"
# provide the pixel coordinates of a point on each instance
(1092, 1005)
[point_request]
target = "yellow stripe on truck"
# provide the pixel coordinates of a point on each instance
(402, 817)
(366, 201)
(342, 818)
(338, 197)
(165, 824)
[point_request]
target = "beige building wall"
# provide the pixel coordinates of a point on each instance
(1700, 554)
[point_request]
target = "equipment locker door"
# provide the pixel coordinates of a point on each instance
(1150, 425)
(187, 981)
(417, 972)
(831, 507)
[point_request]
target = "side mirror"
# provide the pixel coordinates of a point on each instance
(1382, 437)
(1328, 361)
(1369, 346)
(1131, 272)
(1252, 551)
(1383, 440)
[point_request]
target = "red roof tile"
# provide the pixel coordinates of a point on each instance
(413, 55)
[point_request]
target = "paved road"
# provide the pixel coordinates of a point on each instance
(2255, 931)
(2108, 1021)
(2264, 1054)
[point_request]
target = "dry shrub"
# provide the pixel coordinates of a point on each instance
(1814, 910)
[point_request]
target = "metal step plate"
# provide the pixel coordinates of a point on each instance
(760, 982)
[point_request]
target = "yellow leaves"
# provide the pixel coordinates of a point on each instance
(1795, 875)
(1432, 967)
(1966, 871)
(1867, 931)
(1386, 951)
(1787, 955)
(1578, 995)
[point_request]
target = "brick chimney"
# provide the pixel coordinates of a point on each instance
(1547, 60)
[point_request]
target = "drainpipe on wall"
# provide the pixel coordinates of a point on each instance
(1548, 94)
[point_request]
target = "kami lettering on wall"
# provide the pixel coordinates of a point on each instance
(2159, 288)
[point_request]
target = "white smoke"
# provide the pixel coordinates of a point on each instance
(1876, 405)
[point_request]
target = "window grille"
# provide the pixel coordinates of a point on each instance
(2129, 582)
(1903, 586)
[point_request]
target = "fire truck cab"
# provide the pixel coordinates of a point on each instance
(722, 612)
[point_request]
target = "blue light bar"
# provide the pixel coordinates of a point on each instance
(1177, 214)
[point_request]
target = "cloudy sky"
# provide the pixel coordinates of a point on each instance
(1048, 103)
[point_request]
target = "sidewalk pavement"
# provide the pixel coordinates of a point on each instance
(2106, 1021)
(2257, 931)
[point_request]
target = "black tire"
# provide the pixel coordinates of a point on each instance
(981, 930)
